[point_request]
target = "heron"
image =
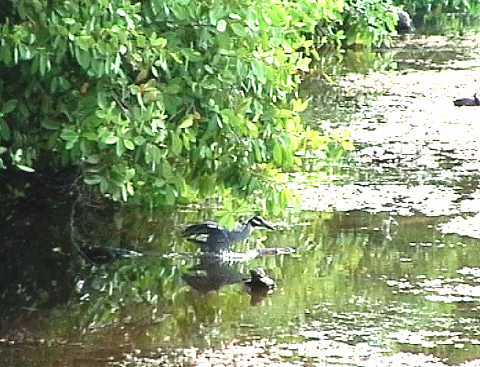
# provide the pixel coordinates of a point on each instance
(211, 237)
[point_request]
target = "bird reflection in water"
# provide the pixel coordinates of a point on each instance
(211, 274)
(259, 285)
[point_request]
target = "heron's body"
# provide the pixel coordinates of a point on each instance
(211, 237)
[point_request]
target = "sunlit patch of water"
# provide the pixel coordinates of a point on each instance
(417, 156)
(416, 152)
(465, 226)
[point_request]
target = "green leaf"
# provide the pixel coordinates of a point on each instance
(277, 153)
(124, 192)
(110, 139)
(5, 132)
(149, 153)
(174, 87)
(238, 29)
(284, 197)
(120, 148)
(139, 140)
(169, 195)
(93, 159)
(70, 144)
(83, 58)
(104, 186)
(156, 154)
(128, 144)
(9, 106)
(68, 134)
(25, 168)
(158, 42)
(90, 135)
(166, 170)
(92, 180)
(51, 124)
(176, 144)
(258, 153)
(221, 25)
(43, 63)
(187, 122)
(5, 54)
(98, 67)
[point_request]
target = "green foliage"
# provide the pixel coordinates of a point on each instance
(167, 102)
(158, 102)
(368, 22)
(362, 23)
(459, 6)
(445, 16)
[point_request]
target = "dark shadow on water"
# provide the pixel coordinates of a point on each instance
(70, 283)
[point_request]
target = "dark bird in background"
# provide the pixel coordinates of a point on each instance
(213, 238)
(467, 101)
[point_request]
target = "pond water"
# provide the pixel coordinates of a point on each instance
(386, 269)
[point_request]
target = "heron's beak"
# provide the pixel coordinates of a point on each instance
(268, 225)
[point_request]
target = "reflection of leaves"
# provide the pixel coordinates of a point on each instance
(335, 278)
(126, 284)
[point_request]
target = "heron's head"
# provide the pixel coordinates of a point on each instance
(258, 221)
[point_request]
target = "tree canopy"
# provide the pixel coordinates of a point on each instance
(165, 102)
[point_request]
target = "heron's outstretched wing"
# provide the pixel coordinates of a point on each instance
(208, 235)
(205, 228)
